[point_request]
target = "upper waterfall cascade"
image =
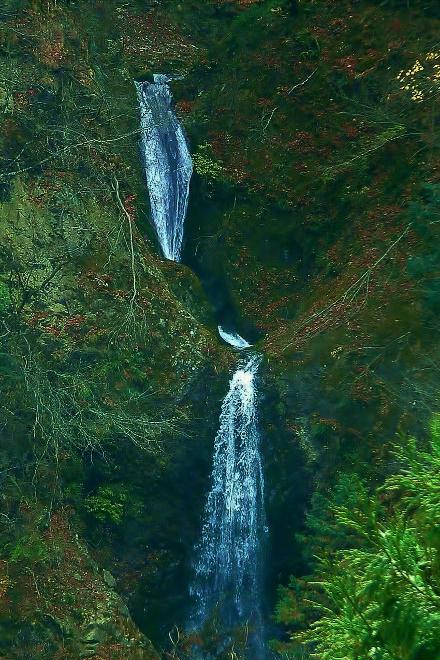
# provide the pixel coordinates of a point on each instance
(167, 162)
(228, 569)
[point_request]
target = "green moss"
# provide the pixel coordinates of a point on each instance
(5, 298)
(32, 549)
(205, 165)
(107, 505)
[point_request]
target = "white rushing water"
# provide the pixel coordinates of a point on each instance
(167, 162)
(233, 338)
(228, 570)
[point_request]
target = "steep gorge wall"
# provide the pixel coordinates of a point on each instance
(315, 134)
(107, 356)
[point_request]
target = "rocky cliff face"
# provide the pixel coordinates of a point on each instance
(70, 608)
(313, 125)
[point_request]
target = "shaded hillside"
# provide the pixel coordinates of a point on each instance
(104, 357)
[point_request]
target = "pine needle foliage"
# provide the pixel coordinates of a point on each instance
(381, 598)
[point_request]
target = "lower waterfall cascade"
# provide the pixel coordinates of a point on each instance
(228, 566)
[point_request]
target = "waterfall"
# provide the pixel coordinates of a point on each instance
(228, 572)
(167, 162)
(233, 338)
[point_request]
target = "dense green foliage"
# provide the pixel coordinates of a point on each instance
(380, 597)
